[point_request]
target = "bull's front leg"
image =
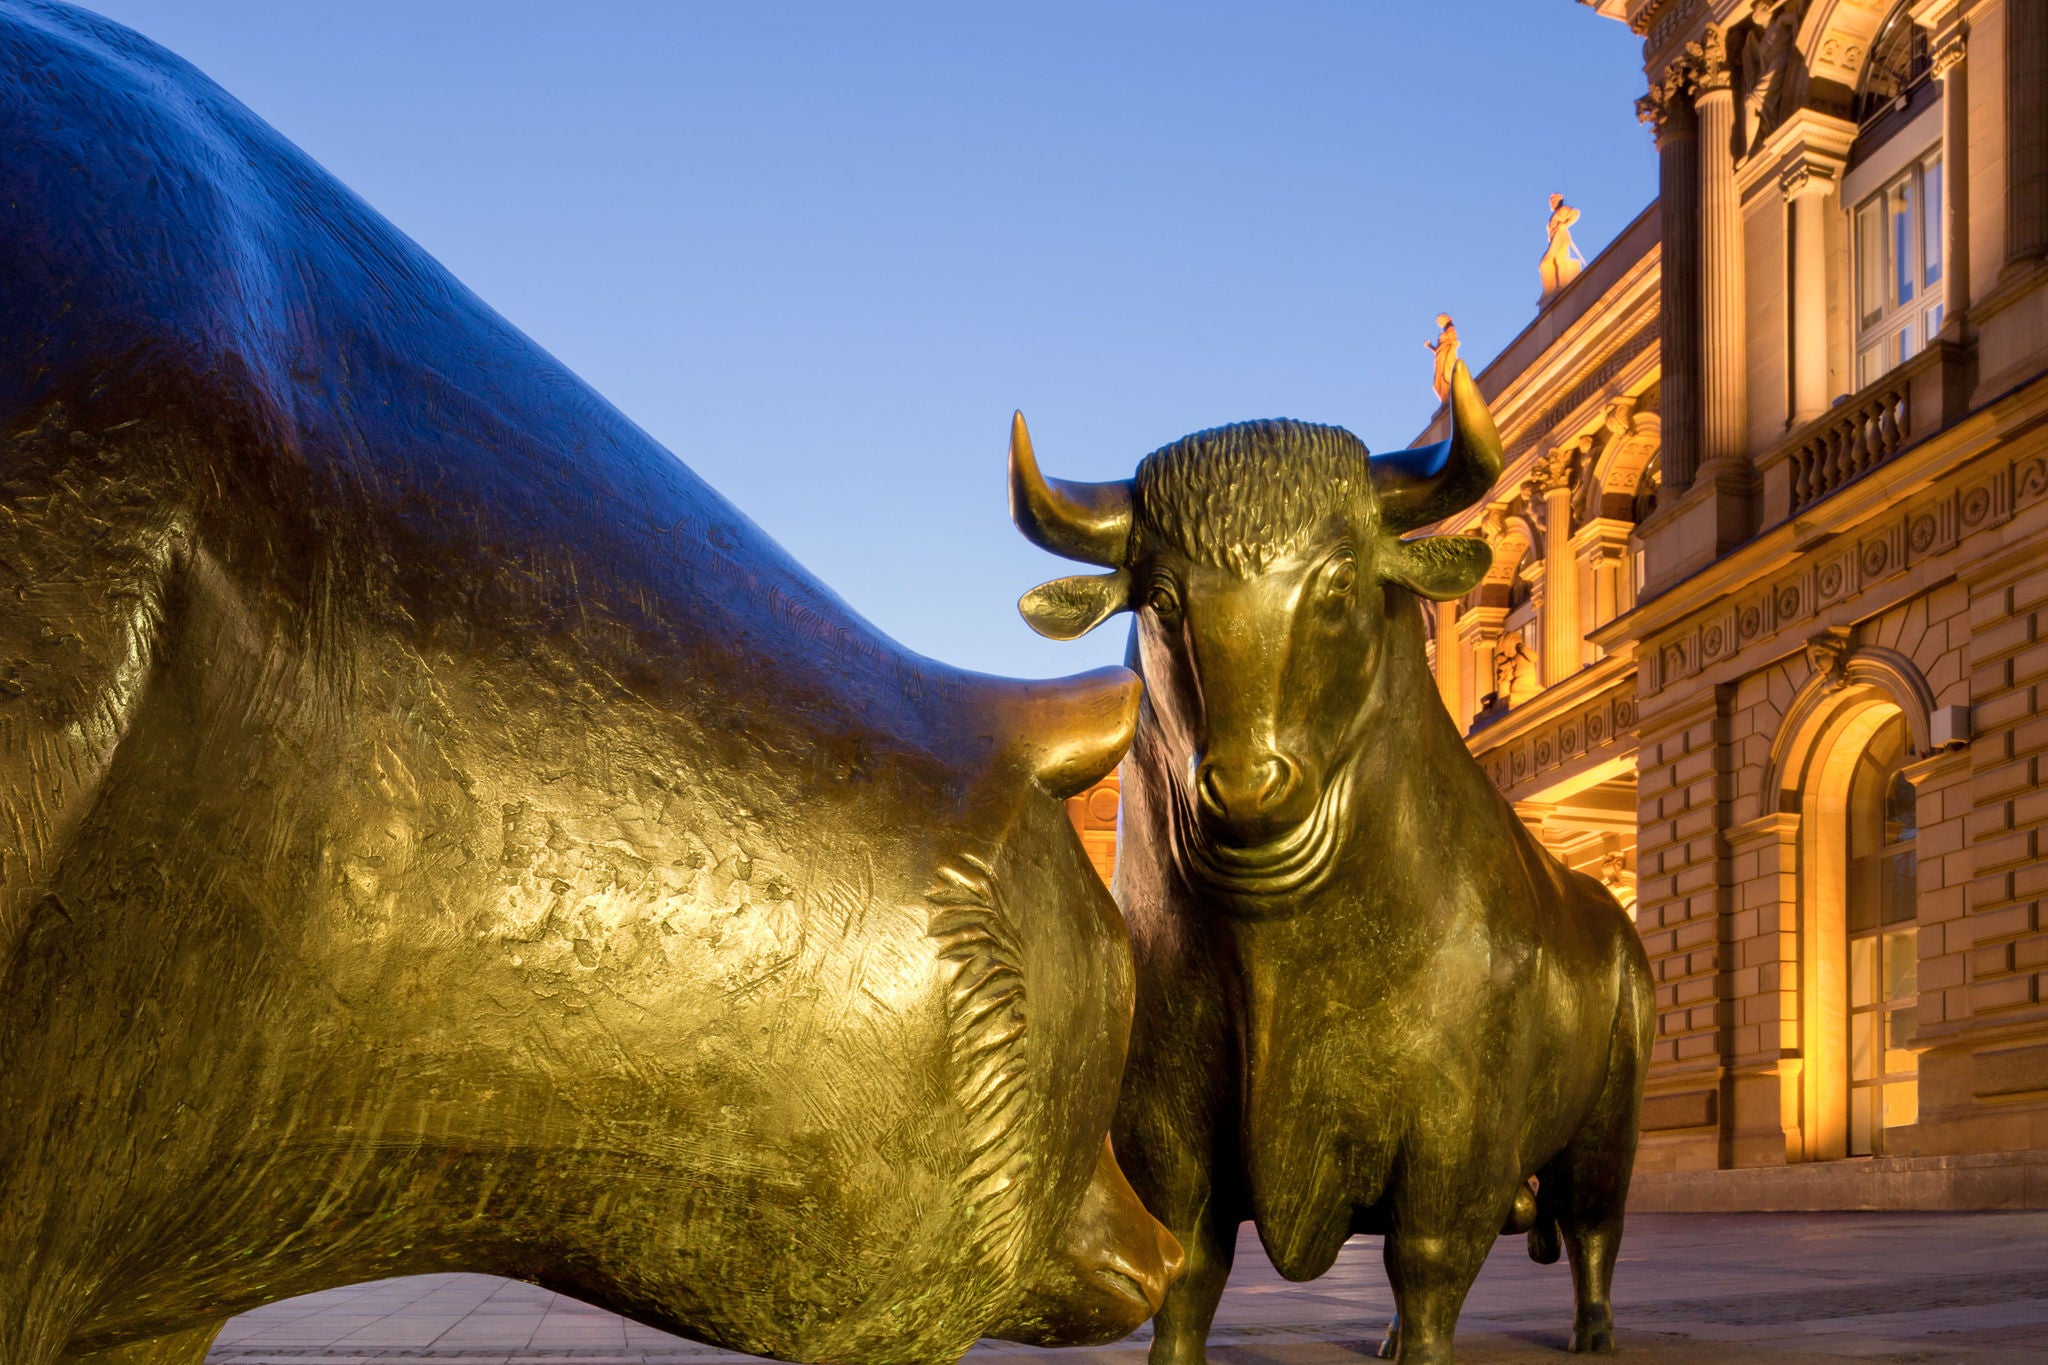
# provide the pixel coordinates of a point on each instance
(1447, 1212)
(1180, 1332)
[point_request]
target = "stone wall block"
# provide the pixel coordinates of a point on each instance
(2002, 710)
(2005, 850)
(2009, 636)
(2002, 780)
(2008, 921)
(1995, 960)
(1990, 677)
(2008, 993)
(1986, 822)
(1990, 608)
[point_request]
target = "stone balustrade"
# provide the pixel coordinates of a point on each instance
(1863, 431)
(1852, 440)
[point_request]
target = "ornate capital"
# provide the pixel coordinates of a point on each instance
(1713, 72)
(1808, 177)
(1950, 49)
(1670, 94)
(1555, 472)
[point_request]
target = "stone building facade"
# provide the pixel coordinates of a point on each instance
(1765, 644)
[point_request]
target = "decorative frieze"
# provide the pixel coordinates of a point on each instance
(1601, 728)
(1840, 568)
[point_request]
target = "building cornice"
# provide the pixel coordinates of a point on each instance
(1765, 556)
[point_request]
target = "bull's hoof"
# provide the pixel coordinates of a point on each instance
(1597, 1341)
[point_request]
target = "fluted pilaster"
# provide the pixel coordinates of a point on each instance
(1550, 488)
(1668, 109)
(2026, 115)
(1952, 68)
(1724, 374)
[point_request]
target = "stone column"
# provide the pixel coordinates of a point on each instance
(1452, 660)
(1724, 362)
(1952, 69)
(1601, 546)
(1478, 631)
(1550, 489)
(2026, 115)
(1668, 109)
(1809, 187)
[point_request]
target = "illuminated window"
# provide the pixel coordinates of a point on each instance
(1884, 949)
(1898, 269)
(1899, 65)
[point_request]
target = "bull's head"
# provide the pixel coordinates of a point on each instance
(1266, 564)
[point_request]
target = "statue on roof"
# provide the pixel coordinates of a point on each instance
(1561, 259)
(1445, 349)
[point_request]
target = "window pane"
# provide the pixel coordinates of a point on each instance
(1860, 1102)
(1901, 1104)
(1931, 216)
(1901, 804)
(1862, 971)
(1903, 233)
(1901, 887)
(1866, 893)
(1862, 1046)
(1871, 264)
(1899, 1028)
(1901, 965)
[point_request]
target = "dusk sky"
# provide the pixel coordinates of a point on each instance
(821, 251)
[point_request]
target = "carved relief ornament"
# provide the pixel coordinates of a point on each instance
(1712, 70)
(1670, 95)
(1951, 49)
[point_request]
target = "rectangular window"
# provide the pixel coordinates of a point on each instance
(1898, 242)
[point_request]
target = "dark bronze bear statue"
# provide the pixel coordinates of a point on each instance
(437, 832)
(1368, 999)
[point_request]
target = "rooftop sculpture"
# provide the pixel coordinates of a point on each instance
(1561, 261)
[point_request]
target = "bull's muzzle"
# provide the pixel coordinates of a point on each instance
(1108, 1274)
(1248, 799)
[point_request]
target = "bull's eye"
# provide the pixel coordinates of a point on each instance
(1340, 577)
(1163, 602)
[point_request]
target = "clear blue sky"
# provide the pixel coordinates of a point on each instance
(822, 250)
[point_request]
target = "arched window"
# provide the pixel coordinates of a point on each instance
(1899, 65)
(1884, 953)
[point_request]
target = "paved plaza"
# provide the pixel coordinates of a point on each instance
(1691, 1287)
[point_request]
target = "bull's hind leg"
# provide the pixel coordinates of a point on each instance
(1180, 1331)
(1583, 1192)
(180, 1348)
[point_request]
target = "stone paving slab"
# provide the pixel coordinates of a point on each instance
(1970, 1288)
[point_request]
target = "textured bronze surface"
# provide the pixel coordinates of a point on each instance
(1368, 1000)
(438, 832)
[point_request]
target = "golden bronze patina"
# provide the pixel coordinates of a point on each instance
(437, 832)
(1368, 999)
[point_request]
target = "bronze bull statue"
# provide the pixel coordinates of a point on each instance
(1368, 1000)
(437, 832)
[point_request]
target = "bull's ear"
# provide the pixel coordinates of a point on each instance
(1437, 567)
(1068, 608)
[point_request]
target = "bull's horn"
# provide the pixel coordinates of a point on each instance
(1090, 522)
(1426, 484)
(1069, 732)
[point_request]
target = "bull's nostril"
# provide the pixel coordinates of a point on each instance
(1210, 792)
(1282, 776)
